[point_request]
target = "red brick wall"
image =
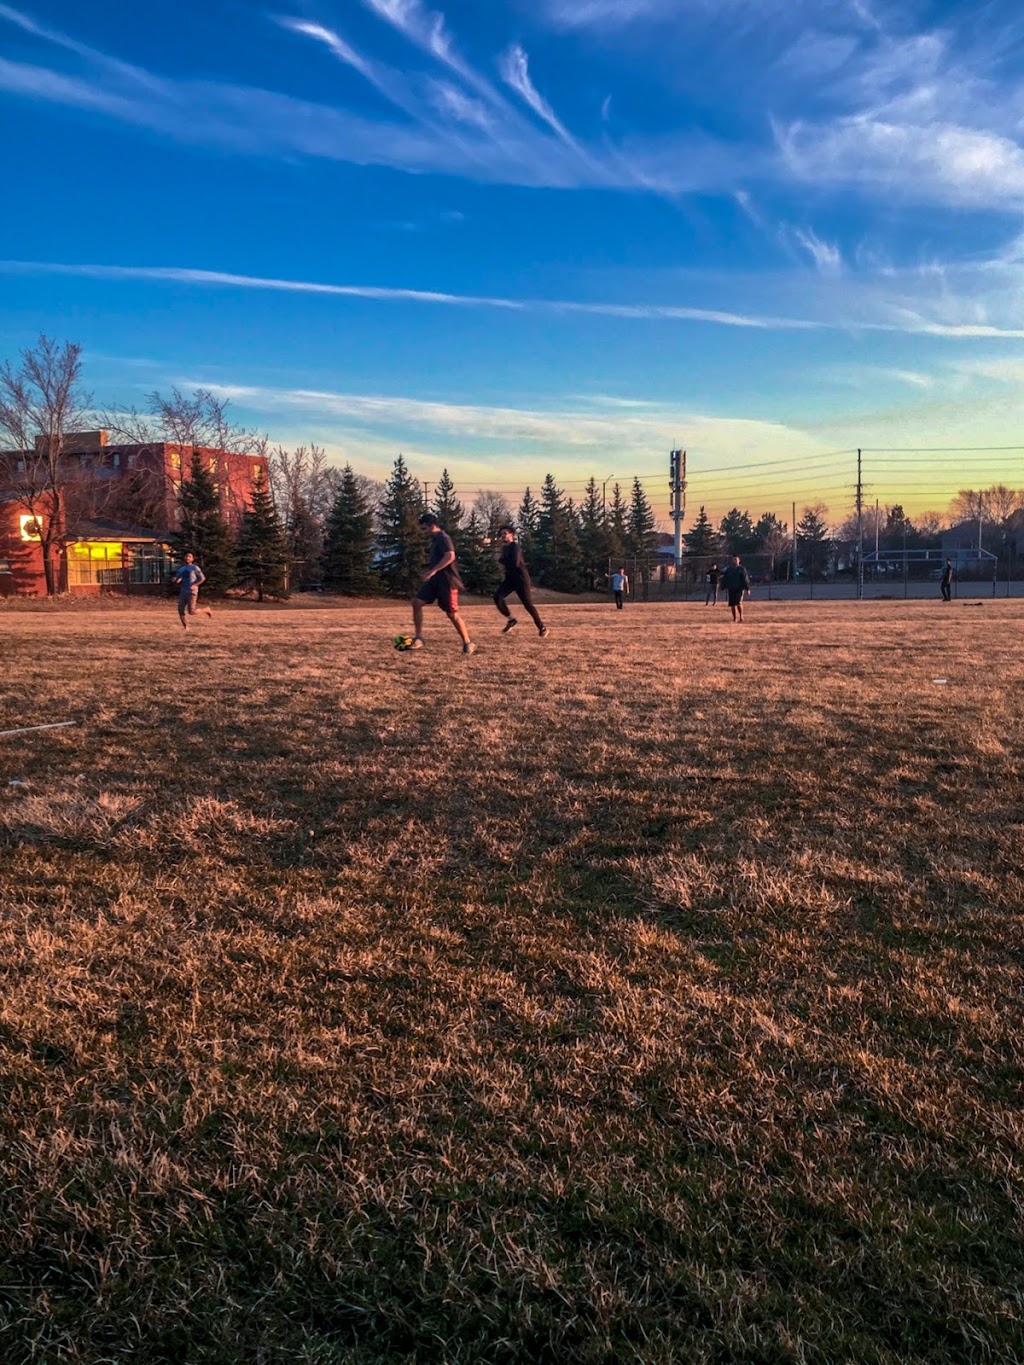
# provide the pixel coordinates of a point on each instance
(24, 556)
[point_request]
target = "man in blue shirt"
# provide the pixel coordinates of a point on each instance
(189, 578)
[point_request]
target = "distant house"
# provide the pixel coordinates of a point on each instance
(961, 542)
(122, 506)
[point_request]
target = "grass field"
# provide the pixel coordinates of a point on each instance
(648, 993)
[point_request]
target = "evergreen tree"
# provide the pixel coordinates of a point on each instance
(899, 529)
(812, 533)
(527, 522)
(595, 542)
(556, 544)
(641, 531)
(403, 550)
(617, 528)
(773, 538)
(702, 539)
(447, 508)
(305, 545)
(477, 564)
(202, 528)
(737, 531)
(348, 548)
(262, 550)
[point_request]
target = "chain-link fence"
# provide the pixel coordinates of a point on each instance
(654, 578)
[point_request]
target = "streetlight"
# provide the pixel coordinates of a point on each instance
(604, 498)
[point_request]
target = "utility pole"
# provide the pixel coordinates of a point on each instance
(792, 550)
(860, 531)
(876, 529)
(677, 487)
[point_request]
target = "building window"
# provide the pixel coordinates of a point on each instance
(117, 461)
(148, 564)
(257, 473)
(31, 527)
(92, 562)
(176, 459)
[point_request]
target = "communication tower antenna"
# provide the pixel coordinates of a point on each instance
(677, 488)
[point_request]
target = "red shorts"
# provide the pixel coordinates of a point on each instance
(443, 593)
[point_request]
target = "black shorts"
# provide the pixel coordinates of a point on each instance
(735, 597)
(439, 590)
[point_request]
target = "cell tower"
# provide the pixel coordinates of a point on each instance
(677, 487)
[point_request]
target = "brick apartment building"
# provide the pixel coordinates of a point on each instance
(122, 506)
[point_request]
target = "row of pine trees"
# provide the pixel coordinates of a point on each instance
(365, 548)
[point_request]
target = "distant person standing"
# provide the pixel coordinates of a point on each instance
(736, 582)
(711, 579)
(620, 587)
(516, 580)
(441, 584)
(190, 579)
(947, 582)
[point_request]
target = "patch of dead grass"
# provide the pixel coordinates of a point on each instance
(650, 993)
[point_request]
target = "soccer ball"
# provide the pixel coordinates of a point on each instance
(403, 642)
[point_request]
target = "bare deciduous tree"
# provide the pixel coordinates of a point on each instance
(41, 404)
(190, 421)
(994, 505)
(493, 510)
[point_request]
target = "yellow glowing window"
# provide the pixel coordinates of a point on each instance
(175, 459)
(31, 528)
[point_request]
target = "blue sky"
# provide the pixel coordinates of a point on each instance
(539, 234)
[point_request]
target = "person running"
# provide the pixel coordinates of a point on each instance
(190, 579)
(516, 580)
(711, 579)
(736, 582)
(947, 582)
(441, 584)
(620, 586)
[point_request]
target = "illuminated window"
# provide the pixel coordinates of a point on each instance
(175, 459)
(213, 464)
(31, 527)
(92, 562)
(257, 472)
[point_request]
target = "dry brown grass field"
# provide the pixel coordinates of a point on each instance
(649, 993)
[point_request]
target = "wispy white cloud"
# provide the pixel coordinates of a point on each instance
(515, 72)
(226, 279)
(469, 437)
(826, 255)
(979, 304)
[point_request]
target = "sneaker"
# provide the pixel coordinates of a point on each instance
(417, 643)
(469, 649)
(543, 631)
(509, 624)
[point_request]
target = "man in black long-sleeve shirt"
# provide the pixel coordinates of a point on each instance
(736, 582)
(516, 580)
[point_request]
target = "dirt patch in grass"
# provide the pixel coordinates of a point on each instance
(651, 992)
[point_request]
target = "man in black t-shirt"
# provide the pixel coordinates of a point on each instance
(711, 584)
(736, 582)
(516, 580)
(441, 584)
(947, 582)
